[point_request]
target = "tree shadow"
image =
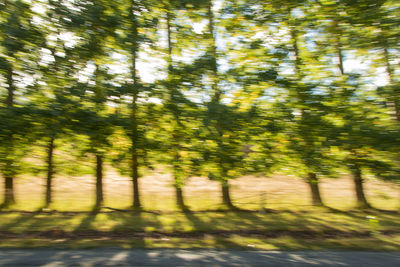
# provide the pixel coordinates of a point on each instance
(22, 218)
(139, 222)
(88, 220)
(361, 213)
(195, 221)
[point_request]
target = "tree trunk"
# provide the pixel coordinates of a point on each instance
(297, 65)
(9, 198)
(174, 109)
(135, 162)
(312, 179)
(214, 68)
(358, 182)
(9, 176)
(11, 88)
(50, 171)
(99, 180)
(338, 44)
(314, 188)
(180, 201)
(135, 138)
(393, 100)
(226, 196)
(216, 98)
(135, 181)
(389, 71)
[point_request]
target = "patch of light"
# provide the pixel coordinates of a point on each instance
(37, 20)
(69, 38)
(154, 100)
(381, 78)
(24, 80)
(354, 65)
(118, 68)
(149, 67)
(199, 27)
(217, 5)
(38, 8)
(46, 57)
(83, 75)
(258, 35)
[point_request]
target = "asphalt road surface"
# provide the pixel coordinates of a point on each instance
(200, 257)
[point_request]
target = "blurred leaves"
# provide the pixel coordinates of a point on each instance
(250, 87)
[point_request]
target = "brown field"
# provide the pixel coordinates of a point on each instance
(77, 193)
(292, 223)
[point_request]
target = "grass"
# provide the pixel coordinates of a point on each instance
(311, 220)
(377, 243)
(293, 224)
(239, 230)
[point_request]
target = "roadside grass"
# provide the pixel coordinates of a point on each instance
(375, 243)
(312, 220)
(233, 230)
(160, 224)
(198, 202)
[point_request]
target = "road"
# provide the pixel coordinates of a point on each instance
(200, 257)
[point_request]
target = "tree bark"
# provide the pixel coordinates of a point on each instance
(314, 188)
(99, 180)
(358, 183)
(214, 68)
(9, 198)
(297, 64)
(135, 133)
(216, 98)
(180, 201)
(135, 181)
(174, 109)
(9, 175)
(312, 179)
(338, 44)
(393, 101)
(50, 171)
(389, 71)
(11, 88)
(135, 162)
(226, 195)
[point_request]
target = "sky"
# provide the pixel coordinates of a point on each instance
(150, 67)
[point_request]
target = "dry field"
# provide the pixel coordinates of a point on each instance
(293, 225)
(157, 192)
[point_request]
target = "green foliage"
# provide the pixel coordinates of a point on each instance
(237, 87)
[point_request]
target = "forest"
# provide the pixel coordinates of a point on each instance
(202, 88)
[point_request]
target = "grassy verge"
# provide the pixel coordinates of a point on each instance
(290, 230)
(375, 243)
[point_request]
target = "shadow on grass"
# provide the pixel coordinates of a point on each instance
(86, 222)
(137, 220)
(25, 218)
(225, 230)
(4, 206)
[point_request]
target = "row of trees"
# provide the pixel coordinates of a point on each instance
(206, 87)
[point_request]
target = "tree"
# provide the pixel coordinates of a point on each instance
(179, 110)
(215, 114)
(51, 103)
(19, 45)
(359, 130)
(136, 26)
(99, 22)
